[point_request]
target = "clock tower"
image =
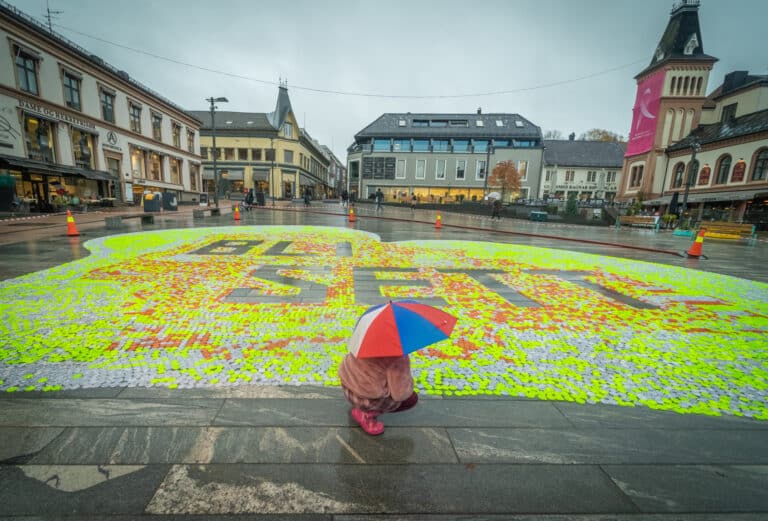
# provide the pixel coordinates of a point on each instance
(670, 94)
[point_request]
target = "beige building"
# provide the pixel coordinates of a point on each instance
(267, 152)
(589, 169)
(74, 128)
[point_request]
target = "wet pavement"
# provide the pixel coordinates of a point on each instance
(252, 451)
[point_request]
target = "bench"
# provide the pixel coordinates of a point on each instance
(646, 221)
(199, 213)
(729, 231)
(115, 222)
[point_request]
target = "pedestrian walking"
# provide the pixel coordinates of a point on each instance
(413, 201)
(344, 198)
(379, 199)
(496, 214)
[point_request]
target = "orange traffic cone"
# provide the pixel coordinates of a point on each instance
(71, 228)
(438, 222)
(695, 250)
(237, 213)
(351, 215)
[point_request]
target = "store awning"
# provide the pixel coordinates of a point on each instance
(707, 197)
(44, 168)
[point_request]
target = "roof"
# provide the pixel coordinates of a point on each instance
(84, 54)
(681, 39)
(233, 120)
(741, 126)
(282, 108)
(451, 125)
(736, 81)
(609, 154)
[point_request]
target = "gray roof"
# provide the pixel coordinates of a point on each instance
(741, 126)
(605, 154)
(233, 120)
(282, 108)
(388, 125)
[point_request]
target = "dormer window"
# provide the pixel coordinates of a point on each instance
(519, 124)
(691, 45)
(499, 123)
(401, 123)
(479, 122)
(287, 130)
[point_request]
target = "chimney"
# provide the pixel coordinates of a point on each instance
(479, 110)
(572, 136)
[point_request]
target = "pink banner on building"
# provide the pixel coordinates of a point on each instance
(645, 114)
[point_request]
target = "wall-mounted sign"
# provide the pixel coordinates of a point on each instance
(52, 113)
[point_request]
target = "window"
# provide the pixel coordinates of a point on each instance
(381, 145)
(420, 167)
(420, 123)
(38, 136)
(548, 175)
(204, 152)
(481, 146)
(440, 145)
(479, 123)
(519, 124)
(461, 166)
(591, 176)
(723, 169)
(693, 170)
(229, 154)
(729, 113)
(636, 177)
(570, 175)
(480, 170)
(82, 146)
(194, 175)
(401, 145)
(175, 171)
(500, 143)
(679, 172)
(400, 172)
(176, 134)
(522, 169)
(242, 154)
(256, 154)
(421, 145)
(287, 130)
(138, 163)
(156, 167)
(401, 123)
(288, 156)
(72, 91)
(438, 123)
(761, 166)
(157, 126)
(190, 141)
(499, 123)
(107, 105)
(458, 123)
(440, 170)
(134, 114)
(461, 145)
(26, 71)
(610, 177)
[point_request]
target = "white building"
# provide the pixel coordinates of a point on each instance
(72, 125)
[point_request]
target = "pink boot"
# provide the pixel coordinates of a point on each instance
(368, 421)
(408, 403)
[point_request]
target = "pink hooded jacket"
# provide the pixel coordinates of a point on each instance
(378, 377)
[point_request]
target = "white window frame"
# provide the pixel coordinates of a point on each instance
(400, 173)
(519, 164)
(437, 169)
(591, 176)
(421, 164)
(464, 170)
(610, 177)
(478, 175)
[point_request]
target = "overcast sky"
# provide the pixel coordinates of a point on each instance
(565, 65)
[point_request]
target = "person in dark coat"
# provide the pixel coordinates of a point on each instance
(496, 214)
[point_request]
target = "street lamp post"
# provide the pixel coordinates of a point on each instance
(487, 168)
(213, 100)
(695, 147)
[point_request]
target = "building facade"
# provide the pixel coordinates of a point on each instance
(76, 128)
(267, 152)
(337, 173)
(670, 95)
(590, 169)
(442, 157)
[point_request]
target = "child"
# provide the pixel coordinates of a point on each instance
(377, 385)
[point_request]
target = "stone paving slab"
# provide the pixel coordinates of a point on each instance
(609, 446)
(387, 489)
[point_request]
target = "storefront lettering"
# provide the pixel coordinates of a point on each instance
(55, 114)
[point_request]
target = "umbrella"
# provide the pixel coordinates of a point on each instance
(493, 195)
(398, 328)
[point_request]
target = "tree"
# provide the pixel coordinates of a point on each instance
(600, 134)
(505, 177)
(571, 206)
(553, 134)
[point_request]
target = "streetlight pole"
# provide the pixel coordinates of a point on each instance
(213, 100)
(695, 147)
(272, 169)
(487, 168)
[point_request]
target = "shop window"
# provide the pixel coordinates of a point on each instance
(175, 171)
(26, 70)
(138, 164)
(156, 167)
(194, 174)
(723, 169)
(82, 145)
(760, 170)
(38, 135)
